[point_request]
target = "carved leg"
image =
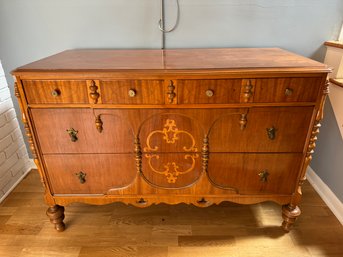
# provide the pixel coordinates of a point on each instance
(56, 215)
(289, 215)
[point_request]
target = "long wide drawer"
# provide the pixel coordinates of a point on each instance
(255, 173)
(89, 173)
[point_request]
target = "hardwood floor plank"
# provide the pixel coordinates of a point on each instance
(165, 230)
(125, 251)
(205, 240)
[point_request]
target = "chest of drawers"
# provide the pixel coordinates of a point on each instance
(195, 126)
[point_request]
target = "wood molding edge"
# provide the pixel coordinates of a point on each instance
(334, 204)
(337, 82)
(336, 44)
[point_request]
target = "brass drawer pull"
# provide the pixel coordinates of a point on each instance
(209, 92)
(99, 123)
(243, 121)
(55, 92)
(132, 93)
(73, 134)
(142, 201)
(263, 176)
(288, 91)
(271, 132)
(81, 176)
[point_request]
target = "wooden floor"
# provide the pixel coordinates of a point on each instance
(162, 230)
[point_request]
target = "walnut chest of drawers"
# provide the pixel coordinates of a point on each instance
(195, 126)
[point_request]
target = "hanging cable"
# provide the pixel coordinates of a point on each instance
(161, 21)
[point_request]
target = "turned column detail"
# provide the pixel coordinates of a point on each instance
(291, 211)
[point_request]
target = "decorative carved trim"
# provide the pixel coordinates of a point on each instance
(138, 154)
(29, 136)
(16, 90)
(171, 92)
(99, 123)
(243, 121)
(247, 90)
(93, 94)
(170, 135)
(310, 150)
(205, 153)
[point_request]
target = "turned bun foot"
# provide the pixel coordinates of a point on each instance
(56, 216)
(289, 215)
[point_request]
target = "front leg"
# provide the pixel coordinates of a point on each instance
(289, 215)
(56, 215)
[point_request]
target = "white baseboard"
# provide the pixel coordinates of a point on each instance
(31, 165)
(335, 205)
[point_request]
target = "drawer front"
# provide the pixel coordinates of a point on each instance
(132, 91)
(89, 173)
(255, 173)
(55, 91)
(54, 128)
(208, 91)
(273, 129)
(286, 90)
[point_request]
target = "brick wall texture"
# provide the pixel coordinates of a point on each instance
(14, 160)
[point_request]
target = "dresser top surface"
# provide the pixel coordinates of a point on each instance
(172, 59)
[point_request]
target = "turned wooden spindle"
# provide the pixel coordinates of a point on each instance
(56, 215)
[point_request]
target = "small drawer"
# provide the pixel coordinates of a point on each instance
(73, 130)
(255, 173)
(55, 91)
(286, 90)
(132, 91)
(208, 91)
(267, 129)
(89, 173)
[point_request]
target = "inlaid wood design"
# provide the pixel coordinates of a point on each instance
(170, 134)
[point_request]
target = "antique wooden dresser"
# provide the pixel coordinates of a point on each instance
(195, 126)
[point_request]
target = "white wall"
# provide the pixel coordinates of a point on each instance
(14, 160)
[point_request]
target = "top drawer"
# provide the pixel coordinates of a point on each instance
(208, 91)
(254, 90)
(55, 91)
(284, 89)
(132, 91)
